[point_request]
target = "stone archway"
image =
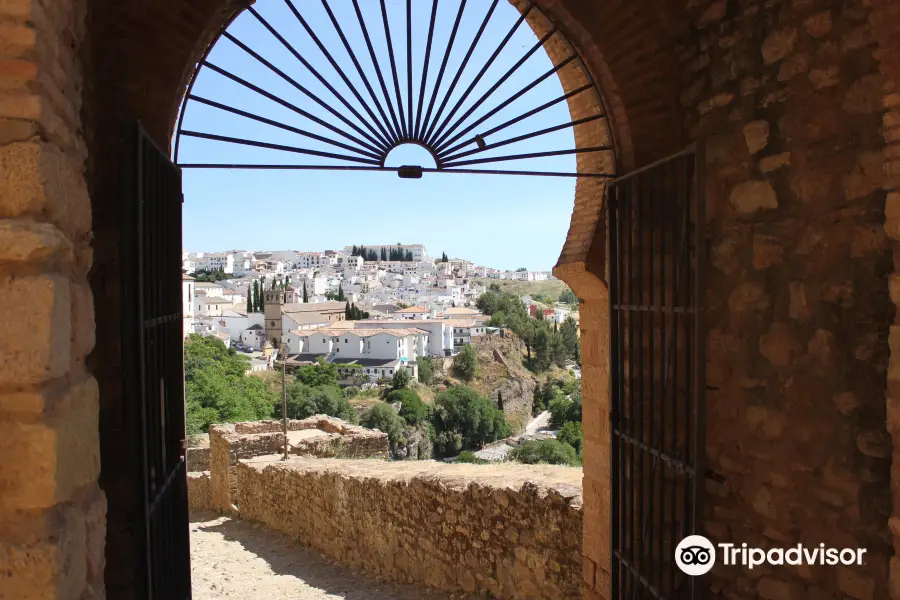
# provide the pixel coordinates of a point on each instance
(800, 147)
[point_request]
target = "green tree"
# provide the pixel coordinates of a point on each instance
(542, 356)
(465, 420)
(348, 316)
(319, 374)
(340, 295)
(550, 452)
(384, 418)
(426, 370)
(217, 388)
(465, 364)
(383, 254)
(401, 379)
(567, 296)
(305, 297)
(444, 257)
(569, 333)
(572, 435)
(305, 401)
(412, 409)
(262, 297)
(249, 301)
(468, 457)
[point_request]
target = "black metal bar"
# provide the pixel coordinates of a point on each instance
(651, 529)
(655, 308)
(324, 51)
(522, 137)
(290, 128)
(271, 167)
(387, 97)
(441, 148)
(699, 356)
(190, 87)
(642, 375)
(510, 122)
(478, 161)
(484, 69)
(283, 148)
(393, 63)
(639, 577)
(629, 277)
(426, 125)
(416, 129)
(379, 144)
(438, 138)
(377, 129)
(459, 72)
(290, 106)
(615, 418)
(386, 126)
(409, 70)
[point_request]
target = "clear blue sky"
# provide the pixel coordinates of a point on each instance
(500, 221)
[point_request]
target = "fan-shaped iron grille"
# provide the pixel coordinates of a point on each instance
(363, 89)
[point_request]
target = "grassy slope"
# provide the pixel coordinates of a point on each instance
(552, 288)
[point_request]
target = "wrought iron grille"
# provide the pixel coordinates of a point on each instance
(366, 85)
(154, 375)
(657, 381)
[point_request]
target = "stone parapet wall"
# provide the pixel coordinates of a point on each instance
(231, 442)
(511, 531)
(199, 490)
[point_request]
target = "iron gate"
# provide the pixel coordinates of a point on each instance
(657, 380)
(153, 345)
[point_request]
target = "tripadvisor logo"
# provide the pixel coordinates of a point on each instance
(696, 555)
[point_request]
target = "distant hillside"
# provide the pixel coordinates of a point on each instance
(552, 288)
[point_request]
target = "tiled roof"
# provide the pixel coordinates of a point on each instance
(413, 310)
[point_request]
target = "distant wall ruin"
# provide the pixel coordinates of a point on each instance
(232, 442)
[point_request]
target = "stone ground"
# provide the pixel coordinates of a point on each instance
(237, 560)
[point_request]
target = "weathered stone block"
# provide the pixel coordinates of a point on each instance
(749, 296)
(40, 179)
(778, 45)
(63, 452)
(819, 24)
(865, 95)
(30, 242)
(756, 135)
(752, 196)
(780, 344)
(35, 328)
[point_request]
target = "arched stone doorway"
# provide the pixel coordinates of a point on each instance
(802, 144)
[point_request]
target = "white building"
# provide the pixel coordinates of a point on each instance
(413, 312)
(187, 304)
(217, 262)
(375, 352)
(211, 306)
(417, 250)
(205, 288)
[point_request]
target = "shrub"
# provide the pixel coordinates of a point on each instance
(305, 401)
(551, 452)
(401, 379)
(572, 435)
(412, 409)
(351, 391)
(426, 370)
(466, 363)
(467, 456)
(465, 420)
(384, 418)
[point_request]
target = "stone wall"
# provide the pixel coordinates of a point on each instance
(52, 512)
(232, 442)
(512, 531)
(789, 99)
(199, 490)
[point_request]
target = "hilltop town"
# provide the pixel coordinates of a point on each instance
(376, 308)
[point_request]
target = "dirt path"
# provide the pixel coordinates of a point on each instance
(237, 560)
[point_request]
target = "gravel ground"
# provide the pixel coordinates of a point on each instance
(237, 560)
